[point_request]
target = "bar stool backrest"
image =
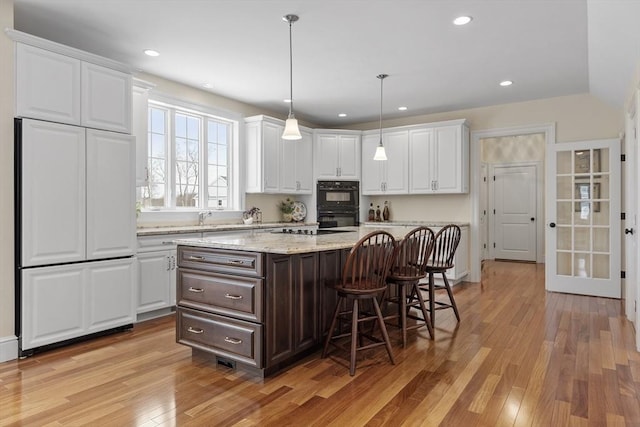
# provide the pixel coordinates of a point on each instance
(414, 251)
(446, 243)
(369, 262)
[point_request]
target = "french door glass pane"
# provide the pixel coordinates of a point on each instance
(582, 213)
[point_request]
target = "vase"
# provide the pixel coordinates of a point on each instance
(287, 217)
(248, 221)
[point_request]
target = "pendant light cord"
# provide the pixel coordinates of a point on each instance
(290, 69)
(381, 77)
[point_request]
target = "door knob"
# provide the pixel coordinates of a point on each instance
(628, 231)
(552, 225)
(532, 219)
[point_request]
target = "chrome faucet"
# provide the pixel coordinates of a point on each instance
(202, 215)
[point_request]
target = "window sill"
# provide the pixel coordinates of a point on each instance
(155, 218)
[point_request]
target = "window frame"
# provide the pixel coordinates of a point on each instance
(172, 107)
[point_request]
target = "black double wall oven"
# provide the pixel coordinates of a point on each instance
(338, 203)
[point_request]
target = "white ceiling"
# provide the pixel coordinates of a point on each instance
(548, 48)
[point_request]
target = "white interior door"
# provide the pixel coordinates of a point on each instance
(583, 214)
(484, 210)
(514, 211)
(630, 170)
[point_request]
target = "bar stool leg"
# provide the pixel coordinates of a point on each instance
(423, 307)
(402, 304)
(432, 300)
(354, 337)
(383, 328)
(334, 320)
(453, 301)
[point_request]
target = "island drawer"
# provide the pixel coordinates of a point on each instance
(219, 260)
(235, 339)
(225, 294)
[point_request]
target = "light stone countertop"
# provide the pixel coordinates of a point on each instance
(281, 243)
(415, 223)
(174, 229)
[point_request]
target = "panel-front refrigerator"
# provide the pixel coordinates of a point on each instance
(75, 232)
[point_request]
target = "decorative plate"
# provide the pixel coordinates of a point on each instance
(299, 211)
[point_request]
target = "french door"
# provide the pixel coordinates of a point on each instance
(583, 218)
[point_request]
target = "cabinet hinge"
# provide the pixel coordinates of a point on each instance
(494, 177)
(623, 158)
(623, 274)
(494, 245)
(494, 211)
(484, 178)
(623, 216)
(484, 246)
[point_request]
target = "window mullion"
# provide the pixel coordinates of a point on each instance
(171, 160)
(203, 164)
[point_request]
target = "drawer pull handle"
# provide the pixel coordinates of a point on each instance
(234, 341)
(196, 290)
(196, 258)
(195, 330)
(170, 242)
(235, 262)
(233, 296)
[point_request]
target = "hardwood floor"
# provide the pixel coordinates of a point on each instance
(520, 356)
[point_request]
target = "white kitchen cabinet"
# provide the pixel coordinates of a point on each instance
(139, 128)
(53, 211)
(388, 176)
(106, 98)
(296, 171)
(337, 154)
(439, 158)
(47, 85)
(157, 262)
(276, 165)
(74, 183)
(263, 136)
(59, 88)
(68, 301)
(156, 280)
(111, 218)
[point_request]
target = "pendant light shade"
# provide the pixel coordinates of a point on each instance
(291, 130)
(380, 152)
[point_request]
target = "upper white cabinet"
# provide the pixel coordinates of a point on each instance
(275, 165)
(439, 158)
(337, 154)
(106, 98)
(139, 128)
(47, 85)
(296, 171)
(61, 88)
(390, 176)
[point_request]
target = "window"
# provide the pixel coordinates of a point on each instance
(189, 159)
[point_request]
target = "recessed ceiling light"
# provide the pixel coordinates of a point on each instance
(462, 20)
(151, 52)
(207, 85)
(288, 101)
(342, 115)
(402, 108)
(506, 83)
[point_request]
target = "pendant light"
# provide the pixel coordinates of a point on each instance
(380, 153)
(291, 130)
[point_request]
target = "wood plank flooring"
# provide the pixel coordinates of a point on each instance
(519, 357)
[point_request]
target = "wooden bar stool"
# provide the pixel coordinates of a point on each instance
(363, 279)
(444, 250)
(408, 269)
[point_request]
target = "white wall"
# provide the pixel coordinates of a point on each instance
(7, 343)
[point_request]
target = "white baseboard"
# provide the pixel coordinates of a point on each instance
(8, 348)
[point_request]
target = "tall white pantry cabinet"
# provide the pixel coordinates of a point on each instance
(75, 222)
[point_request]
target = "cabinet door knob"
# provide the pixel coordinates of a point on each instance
(552, 225)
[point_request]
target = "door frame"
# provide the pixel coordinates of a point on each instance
(631, 292)
(549, 131)
(539, 206)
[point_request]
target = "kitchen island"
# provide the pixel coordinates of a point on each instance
(258, 302)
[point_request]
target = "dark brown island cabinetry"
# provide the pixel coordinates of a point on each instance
(257, 311)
